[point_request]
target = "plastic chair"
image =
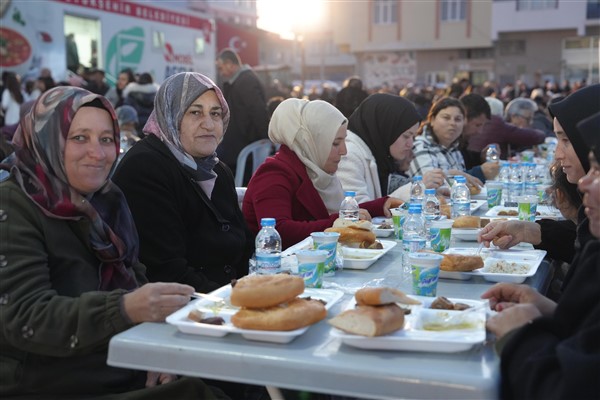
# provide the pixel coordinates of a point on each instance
(260, 150)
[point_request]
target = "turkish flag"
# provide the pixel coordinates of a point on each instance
(243, 40)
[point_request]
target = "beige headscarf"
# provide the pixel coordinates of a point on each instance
(308, 128)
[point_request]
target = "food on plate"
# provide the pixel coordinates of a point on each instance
(198, 316)
(496, 266)
(509, 213)
(354, 234)
(385, 225)
(260, 291)
(376, 296)
(443, 303)
(467, 221)
(460, 263)
(474, 189)
(370, 320)
(483, 222)
(288, 316)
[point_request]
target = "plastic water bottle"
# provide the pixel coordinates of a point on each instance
(349, 207)
(460, 197)
(530, 179)
(417, 190)
(492, 154)
(550, 143)
(515, 184)
(413, 236)
(503, 176)
(431, 211)
(268, 248)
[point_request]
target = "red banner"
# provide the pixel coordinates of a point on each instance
(243, 41)
(143, 11)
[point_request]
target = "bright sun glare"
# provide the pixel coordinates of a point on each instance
(287, 17)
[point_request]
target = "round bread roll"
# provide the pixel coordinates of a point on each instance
(460, 263)
(467, 221)
(360, 224)
(294, 314)
(259, 291)
(370, 320)
(354, 237)
(376, 296)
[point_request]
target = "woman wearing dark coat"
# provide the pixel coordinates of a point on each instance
(70, 278)
(182, 197)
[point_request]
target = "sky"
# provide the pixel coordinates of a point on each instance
(286, 16)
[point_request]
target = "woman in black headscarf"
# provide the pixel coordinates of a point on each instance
(379, 141)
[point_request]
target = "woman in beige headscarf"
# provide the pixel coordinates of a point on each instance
(298, 186)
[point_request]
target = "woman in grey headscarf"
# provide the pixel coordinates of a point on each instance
(182, 197)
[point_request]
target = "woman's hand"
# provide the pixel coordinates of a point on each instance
(512, 318)
(490, 170)
(505, 295)
(434, 178)
(364, 215)
(506, 234)
(153, 302)
(159, 378)
(391, 202)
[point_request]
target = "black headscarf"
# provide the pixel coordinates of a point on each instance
(379, 121)
(590, 131)
(579, 105)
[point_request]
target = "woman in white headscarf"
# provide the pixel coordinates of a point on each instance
(298, 186)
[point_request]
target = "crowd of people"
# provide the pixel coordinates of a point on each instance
(95, 239)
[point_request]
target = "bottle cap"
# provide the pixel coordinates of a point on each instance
(350, 193)
(430, 191)
(267, 222)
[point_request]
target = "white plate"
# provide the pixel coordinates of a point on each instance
(364, 258)
(543, 210)
(414, 338)
(460, 276)
(531, 258)
(186, 325)
(469, 235)
(481, 195)
(307, 243)
(382, 232)
(476, 204)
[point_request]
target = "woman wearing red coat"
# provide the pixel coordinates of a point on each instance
(298, 186)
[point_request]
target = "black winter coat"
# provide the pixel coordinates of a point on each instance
(184, 236)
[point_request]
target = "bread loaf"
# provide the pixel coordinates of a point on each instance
(467, 221)
(370, 320)
(460, 263)
(260, 291)
(288, 316)
(376, 296)
(354, 237)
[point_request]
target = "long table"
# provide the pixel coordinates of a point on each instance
(319, 363)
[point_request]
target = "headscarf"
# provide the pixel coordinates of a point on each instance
(574, 108)
(174, 97)
(379, 121)
(308, 128)
(589, 129)
(39, 169)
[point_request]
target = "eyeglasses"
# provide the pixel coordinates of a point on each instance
(527, 118)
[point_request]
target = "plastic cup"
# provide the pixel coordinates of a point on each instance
(494, 193)
(440, 233)
(327, 241)
(311, 264)
(527, 207)
(425, 272)
(527, 156)
(543, 195)
(398, 216)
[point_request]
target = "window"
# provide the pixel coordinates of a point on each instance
(385, 12)
(454, 10)
(511, 47)
(523, 5)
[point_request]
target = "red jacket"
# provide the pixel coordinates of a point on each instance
(281, 189)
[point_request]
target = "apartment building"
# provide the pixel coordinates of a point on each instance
(398, 42)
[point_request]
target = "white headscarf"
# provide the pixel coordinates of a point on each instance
(309, 128)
